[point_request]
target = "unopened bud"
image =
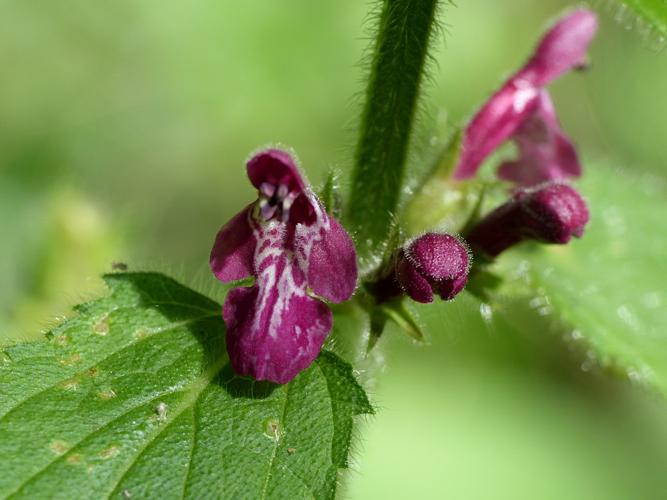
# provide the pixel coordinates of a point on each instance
(550, 213)
(434, 262)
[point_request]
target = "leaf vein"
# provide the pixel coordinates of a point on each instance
(196, 392)
(86, 438)
(277, 443)
(105, 358)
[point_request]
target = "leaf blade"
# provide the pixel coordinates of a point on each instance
(651, 12)
(607, 287)
(139, 399)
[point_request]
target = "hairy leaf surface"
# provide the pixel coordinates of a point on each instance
(651, 13)
(609, 287)
(135, 398)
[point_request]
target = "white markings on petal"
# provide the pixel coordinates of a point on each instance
(282, 266)
(524, 94)
(267, 209)
(267, 189)
(307, 236)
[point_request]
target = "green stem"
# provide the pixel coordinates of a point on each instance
(397, 69)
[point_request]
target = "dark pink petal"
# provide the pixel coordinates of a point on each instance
(302, 210)
(274, 173)
(545, 152)
(273, 335)
(563, 48)
(496, 122)
(439, 256)
(332, 263)
(434, 262)
(412, 282)
(234, 247)
(274, 167)
(274, 328)
(497, 231)
(449, 289)
(553, 213)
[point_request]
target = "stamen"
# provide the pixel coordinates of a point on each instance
(276, 199)
(287, 204)
(267, 189)
(283, 191)
(289, 200)
(267, 209)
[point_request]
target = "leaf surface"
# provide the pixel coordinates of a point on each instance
(609, 286)
(135, 398)
(651, 13)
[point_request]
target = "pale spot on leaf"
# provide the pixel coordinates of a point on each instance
(61, 340)
(71, 384)
(272, 429)
(140, 333)
(161, 411)
(110, 452)
(74, 358)
(102, 326)
(58, 447)
(106, 395)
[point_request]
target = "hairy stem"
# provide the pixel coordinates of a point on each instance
(397, 69)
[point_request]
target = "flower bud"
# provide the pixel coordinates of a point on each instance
(551, 213)
(434, 262)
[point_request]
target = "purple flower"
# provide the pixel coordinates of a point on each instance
(551, 213)
(434, 262)
(522, 110)
(286, 240)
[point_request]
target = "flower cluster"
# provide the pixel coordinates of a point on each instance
(298, 254)
(549, 211)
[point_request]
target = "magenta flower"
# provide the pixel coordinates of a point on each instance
(286, 240)
(522, 110)
(434, 262)
(551, 213)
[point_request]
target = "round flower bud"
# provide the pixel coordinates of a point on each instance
(553, 214)
(433, 263)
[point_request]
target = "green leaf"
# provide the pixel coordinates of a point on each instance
(651, 14)
(135, 397)
(404, 29)
(609, 286)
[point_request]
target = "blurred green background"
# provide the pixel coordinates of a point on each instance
(124, 128)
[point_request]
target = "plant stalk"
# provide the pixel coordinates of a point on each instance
(396, 73)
